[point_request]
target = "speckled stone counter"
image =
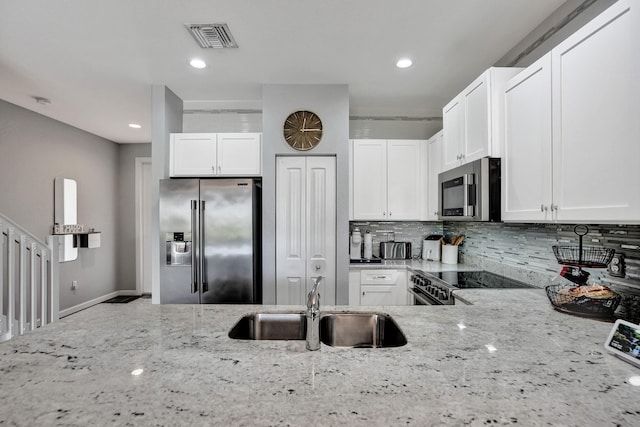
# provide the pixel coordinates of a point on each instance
(547, 368)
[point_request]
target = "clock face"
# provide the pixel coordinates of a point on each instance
(303, 130)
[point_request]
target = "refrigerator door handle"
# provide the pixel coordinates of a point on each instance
(194, 263)
(203, 283)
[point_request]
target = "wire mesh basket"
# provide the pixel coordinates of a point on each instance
(579, 256)
(587, 257)
(576, 300)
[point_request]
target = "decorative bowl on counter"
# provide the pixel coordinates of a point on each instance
(586, 300)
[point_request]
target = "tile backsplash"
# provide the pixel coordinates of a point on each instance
(398, 231)
(523, 251)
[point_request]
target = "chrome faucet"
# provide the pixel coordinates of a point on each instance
(313, 317)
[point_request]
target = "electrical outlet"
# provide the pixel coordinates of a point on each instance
(74, 285)
(616, 266)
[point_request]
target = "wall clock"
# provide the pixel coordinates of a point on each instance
(303, 130)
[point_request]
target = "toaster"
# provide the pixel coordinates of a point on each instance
(395, 250)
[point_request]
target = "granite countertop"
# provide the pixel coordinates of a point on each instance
(548, 368)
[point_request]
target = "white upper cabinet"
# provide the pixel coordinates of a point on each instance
(385, 179)
(453, 125)
(434, 160)
(596, 148)
(239, 153)
(526, 165)
(211, 154)
(473, 120)
(572, 127)
(192, 154)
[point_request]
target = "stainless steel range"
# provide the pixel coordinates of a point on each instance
(437, 288)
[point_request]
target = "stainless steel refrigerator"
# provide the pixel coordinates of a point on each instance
(210, 241)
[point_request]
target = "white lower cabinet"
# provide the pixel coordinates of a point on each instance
(378, 287)
(571, 148)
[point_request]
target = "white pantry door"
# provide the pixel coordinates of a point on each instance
(305, 228)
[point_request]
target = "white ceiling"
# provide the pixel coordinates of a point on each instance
(97, 60)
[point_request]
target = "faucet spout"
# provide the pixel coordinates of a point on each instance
(313, 317)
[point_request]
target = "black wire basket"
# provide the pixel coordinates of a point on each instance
(579, 256)
(563, 298)
(583, 257)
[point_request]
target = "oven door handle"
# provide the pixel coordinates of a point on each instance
(420, 297)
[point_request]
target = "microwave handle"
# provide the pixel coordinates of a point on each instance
(467, 182)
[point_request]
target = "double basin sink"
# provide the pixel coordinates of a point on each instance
(337, 329)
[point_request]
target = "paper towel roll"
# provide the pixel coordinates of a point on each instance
(368, 246)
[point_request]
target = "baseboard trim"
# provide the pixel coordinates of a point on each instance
(90, 303)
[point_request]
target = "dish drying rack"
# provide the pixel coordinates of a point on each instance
(569, 299)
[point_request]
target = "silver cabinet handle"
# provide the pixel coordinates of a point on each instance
(554, 207)
(389, 213)
(213, 169)
(543, 208)
(219, 169)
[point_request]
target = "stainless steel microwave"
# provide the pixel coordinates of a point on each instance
(470, 192)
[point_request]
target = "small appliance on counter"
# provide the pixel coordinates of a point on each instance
(431, 247)
(395, 250)
(355, 251)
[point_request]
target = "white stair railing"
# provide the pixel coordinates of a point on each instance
(29, 271)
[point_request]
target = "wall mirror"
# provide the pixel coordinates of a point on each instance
(65, 212)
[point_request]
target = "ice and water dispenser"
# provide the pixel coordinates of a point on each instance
(178, 248)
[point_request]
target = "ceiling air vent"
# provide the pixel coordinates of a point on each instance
(216, 36)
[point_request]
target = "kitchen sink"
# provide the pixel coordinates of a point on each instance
(337, 329)
(270, 326)
(360, 330)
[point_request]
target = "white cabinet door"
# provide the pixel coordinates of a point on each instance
(435, 166)
(473, 121)
(477, 138)
(239, 154)
(403, 179)
(453, 127)
(305, 228)
(369, 171)
(192, 154)
(595, 128)
(526, 164)
(383, 287)
(378, 295)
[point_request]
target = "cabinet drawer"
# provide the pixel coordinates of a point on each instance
(379, 277)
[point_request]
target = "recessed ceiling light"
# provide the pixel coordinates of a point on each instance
(134, 125)
(404, 63)
(197, 63)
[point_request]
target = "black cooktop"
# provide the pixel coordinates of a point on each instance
(478, 280)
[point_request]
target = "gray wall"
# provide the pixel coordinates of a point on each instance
(33, 151)
(568, 18)
(360, 127)
(331, 103)
(126, 271)
(166, 111)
